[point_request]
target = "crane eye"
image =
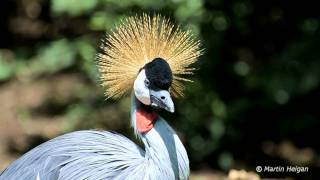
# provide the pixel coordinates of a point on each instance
(146, 83)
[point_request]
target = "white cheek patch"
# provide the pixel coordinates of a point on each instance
(140, 90)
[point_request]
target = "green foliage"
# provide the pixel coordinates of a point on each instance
(87, 53)
(225, 161)
(54, 57)
(6, 69)
(74, 114)
(72, 7)
(189, 9)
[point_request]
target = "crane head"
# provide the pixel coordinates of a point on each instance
(152, 84)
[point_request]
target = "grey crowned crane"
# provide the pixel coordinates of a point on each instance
(150, 55)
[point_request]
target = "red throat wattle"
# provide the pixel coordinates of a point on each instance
(145, 120)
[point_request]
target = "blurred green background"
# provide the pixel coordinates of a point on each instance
(254, 100)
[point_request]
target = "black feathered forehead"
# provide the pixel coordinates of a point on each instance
(159, 74)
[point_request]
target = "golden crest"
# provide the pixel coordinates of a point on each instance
(136, 41)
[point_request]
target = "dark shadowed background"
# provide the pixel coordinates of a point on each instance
(254, 100)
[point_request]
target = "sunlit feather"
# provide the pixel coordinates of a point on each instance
(136, 41)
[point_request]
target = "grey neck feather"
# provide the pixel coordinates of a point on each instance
(162, 146)
(135, 105)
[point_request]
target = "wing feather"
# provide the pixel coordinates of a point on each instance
(77, 155)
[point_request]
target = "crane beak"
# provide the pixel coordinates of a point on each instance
(161, 99)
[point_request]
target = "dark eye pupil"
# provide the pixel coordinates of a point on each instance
(146, 82)
(162, 97)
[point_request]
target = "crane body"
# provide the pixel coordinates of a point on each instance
(94, 155)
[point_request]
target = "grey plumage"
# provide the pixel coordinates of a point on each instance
(72, 155)
(94, 155)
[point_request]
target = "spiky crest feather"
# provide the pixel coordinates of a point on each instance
(136, 41)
